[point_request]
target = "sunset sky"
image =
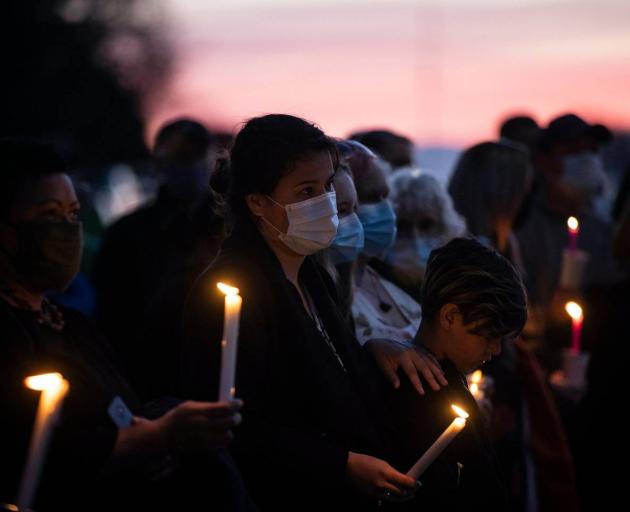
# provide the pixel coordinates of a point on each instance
(444, 72)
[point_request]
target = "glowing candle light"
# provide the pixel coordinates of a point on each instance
(54, 388)
(229, 344)
(574, 229)
(440, 444)
(476, 380)
(575, 312)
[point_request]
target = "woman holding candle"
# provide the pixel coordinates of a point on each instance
(472, 298)
(97, 454)
(317, 431)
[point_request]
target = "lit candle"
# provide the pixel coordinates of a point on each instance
(54, 388)
(574, 229)
(577, 317)
(476, 380)
(440, 444)
(229, 344)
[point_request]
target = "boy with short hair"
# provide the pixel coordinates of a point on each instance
(472, 299)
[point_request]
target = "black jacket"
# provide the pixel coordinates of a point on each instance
(146, 264)
(466, 475)
(303, 413)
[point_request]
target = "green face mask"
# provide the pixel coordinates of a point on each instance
(49, 253)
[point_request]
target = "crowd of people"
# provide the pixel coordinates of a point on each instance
(370, 291)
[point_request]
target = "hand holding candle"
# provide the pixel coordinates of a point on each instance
(229, 344)
(575, 312)
(54, 388)
(440, 444)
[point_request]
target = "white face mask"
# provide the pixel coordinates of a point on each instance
(312, 224)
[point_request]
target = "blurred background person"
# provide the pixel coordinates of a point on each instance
(488, 186)
(426, 219)
(174, 237)
(571, 176)
(522, 129)
(393, 148)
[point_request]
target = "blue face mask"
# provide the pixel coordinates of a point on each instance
(379, 226)
(348, 243)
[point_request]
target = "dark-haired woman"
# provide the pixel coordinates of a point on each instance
(317, 430)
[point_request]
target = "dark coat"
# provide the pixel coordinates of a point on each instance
(303, 412)
(79, 473)
(466, 475)
(146, 264)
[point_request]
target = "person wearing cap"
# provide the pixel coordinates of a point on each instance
(149, 258)
(571, 177)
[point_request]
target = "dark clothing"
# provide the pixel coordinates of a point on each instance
(85, 437)
(78, 473)
(303, 412)
(143, 258)
(466, 475)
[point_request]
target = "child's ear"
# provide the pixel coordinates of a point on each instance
(448, 316)
(255, 202)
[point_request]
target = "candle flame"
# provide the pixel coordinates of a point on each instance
(573, 224)
(574, 310)
(227, 289)
(460, 412)
(44, 382)
(476, 377)
(474, 388)
(460, 422)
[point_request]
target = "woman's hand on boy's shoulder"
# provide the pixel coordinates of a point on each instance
(391, 357)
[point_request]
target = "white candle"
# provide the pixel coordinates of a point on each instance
(229, 343)
(54, 388)
(440, 444)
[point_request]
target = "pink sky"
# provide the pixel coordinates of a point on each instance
(444, 72)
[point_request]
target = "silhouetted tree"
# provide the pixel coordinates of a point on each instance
(80, 73)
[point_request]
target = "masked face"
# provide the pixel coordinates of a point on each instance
(584, 173)
(312, 224)
(379, 226)
(409, 256)
(48, 253)
(349, 241)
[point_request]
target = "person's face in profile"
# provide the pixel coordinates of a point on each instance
(372, 187)
(347, 201)
(51, 198)
(309, 177)
(465, 349)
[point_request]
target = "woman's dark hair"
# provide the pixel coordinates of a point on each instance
(489, 182)
(22, 163)
(484, 285)
(265, 150)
